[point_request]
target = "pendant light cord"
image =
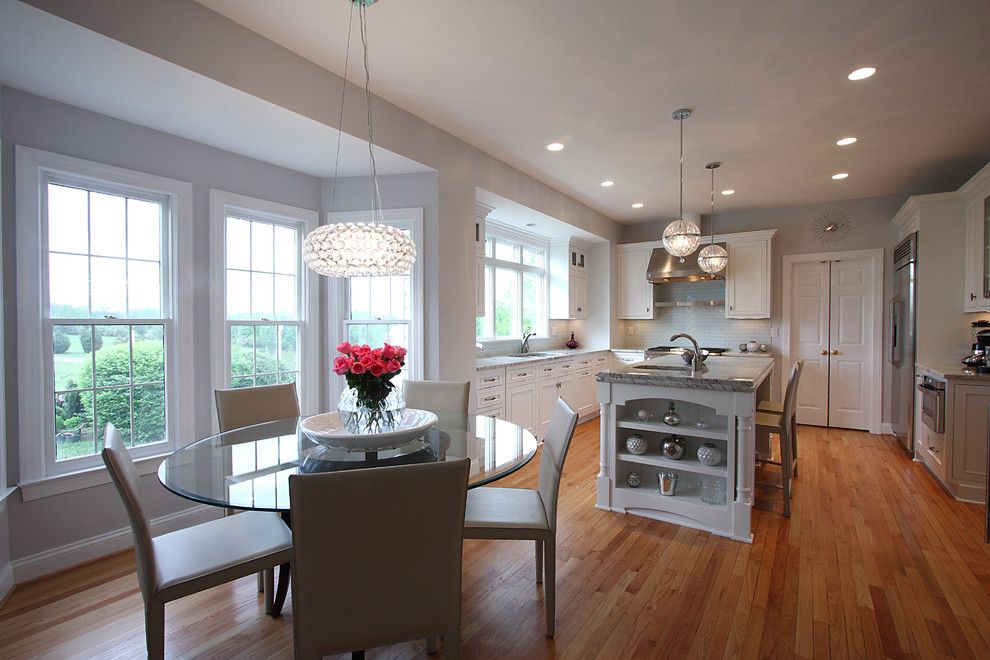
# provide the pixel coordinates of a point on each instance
(681, 213)
(713, 206)
(340, 116)
(376, 202)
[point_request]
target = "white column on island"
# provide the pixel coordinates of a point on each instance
(603, 463)
(607, 451)
(745, 459)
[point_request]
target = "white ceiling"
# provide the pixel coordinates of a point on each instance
(48, 56)
(766, 79)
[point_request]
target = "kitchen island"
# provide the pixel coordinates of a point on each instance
(716, 406)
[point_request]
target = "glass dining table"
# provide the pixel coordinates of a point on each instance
(249, 468)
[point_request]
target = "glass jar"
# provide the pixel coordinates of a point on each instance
(713, 490)
(362, 415)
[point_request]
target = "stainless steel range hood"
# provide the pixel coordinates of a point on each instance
(665, 267)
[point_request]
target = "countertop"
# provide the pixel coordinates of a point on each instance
(729, 374)
(543, 356)
(951, 372)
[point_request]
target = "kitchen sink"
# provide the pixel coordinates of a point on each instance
(663, 367)
(528, 355)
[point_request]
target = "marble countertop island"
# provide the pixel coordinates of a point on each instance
(727, 374)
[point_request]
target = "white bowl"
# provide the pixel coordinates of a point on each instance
(328, 430)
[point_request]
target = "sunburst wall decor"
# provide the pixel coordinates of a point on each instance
(833, 226)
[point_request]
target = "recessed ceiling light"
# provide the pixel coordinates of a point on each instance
(730, 191)
(530, 224)
(607, 183)
(846, 141)
(638, 205)
(863, 73)
(840, 175)
(555, 146)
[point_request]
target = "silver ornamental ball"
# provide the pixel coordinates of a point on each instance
(642, 414)
(709, 454)
(635, 444)
(671, 418)
(673, 447)
(633, 479)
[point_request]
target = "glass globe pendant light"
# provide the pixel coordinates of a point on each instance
(358, 249)
(681, 237)
(713, 258)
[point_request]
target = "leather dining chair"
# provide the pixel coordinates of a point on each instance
(437, 396)
(377, 557)
(247, 406)
(524, 514)
(190, 560)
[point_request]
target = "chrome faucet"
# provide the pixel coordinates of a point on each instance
(525, 341)
(695, 354)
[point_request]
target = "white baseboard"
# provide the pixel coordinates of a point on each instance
(886, 429)
(78, 552)
(6, 582)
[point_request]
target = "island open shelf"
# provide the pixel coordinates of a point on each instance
(717, 406)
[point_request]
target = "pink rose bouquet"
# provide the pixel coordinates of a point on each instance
(369, 372)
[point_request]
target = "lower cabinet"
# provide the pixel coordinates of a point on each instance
(966, 413)
(522, 405)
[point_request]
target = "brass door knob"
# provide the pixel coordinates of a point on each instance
(835, 352)
(824, 352)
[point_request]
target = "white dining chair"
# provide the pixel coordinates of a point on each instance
(190, 560)
(784, 426)
(437, 396)
(377, 557)
(524, 514)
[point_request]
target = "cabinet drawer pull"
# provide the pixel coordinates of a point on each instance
(490, 380)
(547, 368)
(489, 398)
(972, 297)
(523, 374)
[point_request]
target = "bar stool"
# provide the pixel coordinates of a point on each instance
(784, 426)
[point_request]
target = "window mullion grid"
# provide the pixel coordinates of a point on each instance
(92, 358)
(130, 368)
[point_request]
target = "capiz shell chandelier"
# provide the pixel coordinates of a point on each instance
(681, 237)
(356, 249)
(359, 249)
(713, 258)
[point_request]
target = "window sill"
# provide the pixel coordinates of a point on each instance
(5, 492)
(67, 483)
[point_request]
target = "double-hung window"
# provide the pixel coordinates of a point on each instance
(515, 285)
(268, 299)
(389, 308)
(102, 313)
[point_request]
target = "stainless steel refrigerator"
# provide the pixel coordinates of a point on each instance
(902, 310)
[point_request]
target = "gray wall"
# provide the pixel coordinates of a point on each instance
(871, 228)
(44, 124)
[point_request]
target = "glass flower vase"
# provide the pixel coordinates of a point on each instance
(362, 415)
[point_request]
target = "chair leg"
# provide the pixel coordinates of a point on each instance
(154, 629)
(452, 643)
(550, 582)
(261, 582)
(794, 453)
(268, 588)
(786, 465)
(539, 562)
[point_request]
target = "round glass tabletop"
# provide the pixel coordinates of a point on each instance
(249, 468)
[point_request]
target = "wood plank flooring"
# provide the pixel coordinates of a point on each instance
(875, 561)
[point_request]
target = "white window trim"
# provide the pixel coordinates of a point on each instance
(309, 330)
(31, 167)
(496, 230)
(337, 296)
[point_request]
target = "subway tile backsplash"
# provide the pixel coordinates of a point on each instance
(706, 324)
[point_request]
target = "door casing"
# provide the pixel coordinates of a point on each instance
(875, 405)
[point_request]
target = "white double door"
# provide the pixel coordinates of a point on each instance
(832, 305)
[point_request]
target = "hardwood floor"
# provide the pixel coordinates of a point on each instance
(876, 560)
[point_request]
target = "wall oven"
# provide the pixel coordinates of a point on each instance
(932, 403)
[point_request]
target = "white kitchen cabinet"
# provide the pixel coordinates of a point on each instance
(635, 292)
(568, 279)
(747, 277)
(976, 194)
(966, 426)
(584, 394)
(549, 393)
(522, 405)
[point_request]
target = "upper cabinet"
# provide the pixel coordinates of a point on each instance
(568, 279)
(481, 212)
(747, 277)
(976, 196)
(635, 292)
